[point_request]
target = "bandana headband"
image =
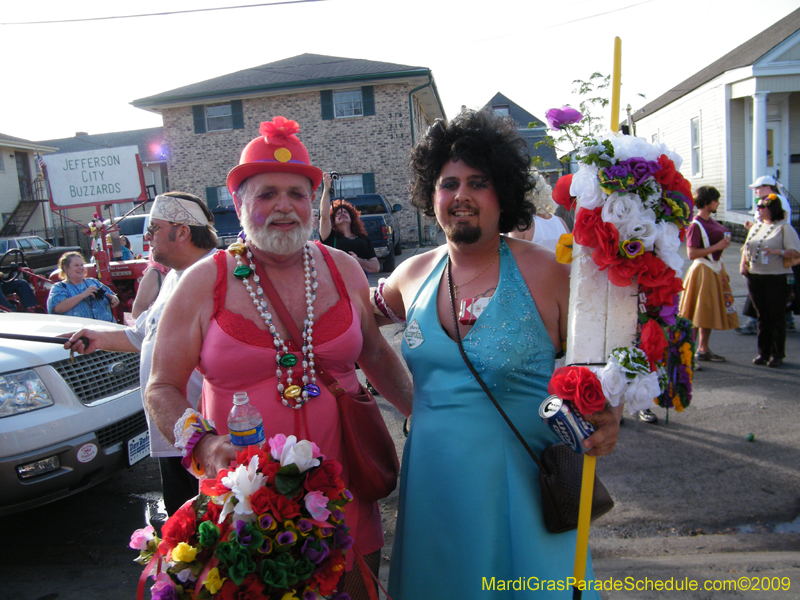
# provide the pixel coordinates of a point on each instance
(178, 210)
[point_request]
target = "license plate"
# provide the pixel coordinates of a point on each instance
(138, 447)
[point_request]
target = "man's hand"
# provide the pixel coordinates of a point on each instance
(603, 440)
(84, 341)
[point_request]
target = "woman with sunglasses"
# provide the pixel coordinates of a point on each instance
(771, 246)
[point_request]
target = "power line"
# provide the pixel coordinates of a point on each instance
(161, 14)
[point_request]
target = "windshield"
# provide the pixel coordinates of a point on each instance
(368, 205)
(227, 222)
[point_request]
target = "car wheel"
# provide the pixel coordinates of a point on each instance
(388, 263)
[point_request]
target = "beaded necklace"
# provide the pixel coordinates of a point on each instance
(761, 241)
(290, 391)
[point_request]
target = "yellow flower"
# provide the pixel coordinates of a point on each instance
(289, 596)
(676, 402)
(183, 552)
(213, 582)
(564, 249)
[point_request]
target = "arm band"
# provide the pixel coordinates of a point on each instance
(379, 305)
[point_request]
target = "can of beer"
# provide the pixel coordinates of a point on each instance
(566, 422)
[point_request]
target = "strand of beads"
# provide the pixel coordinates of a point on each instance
(288, 392)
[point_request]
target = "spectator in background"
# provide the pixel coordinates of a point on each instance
(707, 300)
(22, 289)
(79, 296)
(127, 251)
(340, 227)
(546, 227)
(149, 286)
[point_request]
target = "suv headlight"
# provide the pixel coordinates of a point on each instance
(21, 392)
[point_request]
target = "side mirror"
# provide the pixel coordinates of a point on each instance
(397, 208)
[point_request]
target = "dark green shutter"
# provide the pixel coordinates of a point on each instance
(368, 182)
(368, 100)
(199, 112)
(238, 114)
(212, 197)
(326, 100)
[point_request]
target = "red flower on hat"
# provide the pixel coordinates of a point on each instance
(277, 130)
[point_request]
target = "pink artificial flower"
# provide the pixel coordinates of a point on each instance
(141, 537)
(277, 130)
(276, 445)
(317, 505)
(559, 118)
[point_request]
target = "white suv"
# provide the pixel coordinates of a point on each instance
(134, 227)
(66, 423)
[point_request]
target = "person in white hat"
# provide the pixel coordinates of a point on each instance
(764, 186)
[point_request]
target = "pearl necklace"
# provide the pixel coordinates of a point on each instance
(290, 391)
(761, 241)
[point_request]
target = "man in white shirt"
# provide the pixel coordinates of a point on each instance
(181, 233)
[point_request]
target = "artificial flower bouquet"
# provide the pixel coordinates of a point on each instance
(270, 527)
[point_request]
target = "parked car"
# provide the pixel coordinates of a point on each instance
(382, 227)
(39, 254)
(66, 423)
(134, 227)
(227, 224)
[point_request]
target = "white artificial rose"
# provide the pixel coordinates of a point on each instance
(586, 188)
(667, 244)
(298, 453)
(641, 392)
(614, 381)
(627, 146)
(644, 229)
(621, 209)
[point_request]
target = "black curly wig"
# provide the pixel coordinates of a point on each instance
(485, 142)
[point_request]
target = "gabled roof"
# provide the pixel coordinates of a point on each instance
(742, 56)
(305, 70)
(149, 142)
(537, 133)
(9, 141)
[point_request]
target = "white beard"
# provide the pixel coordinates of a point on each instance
(281, 243)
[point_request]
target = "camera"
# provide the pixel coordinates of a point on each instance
(99, 293)
(334, 175)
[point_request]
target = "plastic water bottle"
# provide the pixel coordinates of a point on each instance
(245, 423)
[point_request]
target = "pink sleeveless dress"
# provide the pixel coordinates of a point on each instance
(238, 356)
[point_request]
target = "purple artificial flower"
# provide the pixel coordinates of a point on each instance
(341, 537)
(304, 526)
(559, 118)
(164, 589)
(617, 172)
(668, 313)
(315, 551)
(641, 168)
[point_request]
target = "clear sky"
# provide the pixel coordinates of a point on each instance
(61, 78)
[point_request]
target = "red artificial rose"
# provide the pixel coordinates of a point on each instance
(279, 505)
(180, 527)
(561, 193)
(564, 382)
(606, 253)
(328, 577)
(664, 294)
(244, 456)
(277, 130)
(622, 274)
(259, 501)
(326, 479)
(212, 512)
(215, 487)
(654, 343)
(654, 271)
(666, 175)
(251, 589)
(680, 184)
(586, 224)
(589, 397)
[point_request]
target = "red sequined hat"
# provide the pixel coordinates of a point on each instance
(276, 150)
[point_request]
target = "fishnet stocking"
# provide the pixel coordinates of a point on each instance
(353, 583)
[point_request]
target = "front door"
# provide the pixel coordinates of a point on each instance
(24, 175)
(774, 153)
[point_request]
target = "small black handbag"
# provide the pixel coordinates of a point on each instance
(560, 468)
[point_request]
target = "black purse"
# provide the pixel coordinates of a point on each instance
(560, 468)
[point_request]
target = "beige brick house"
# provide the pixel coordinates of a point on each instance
(357, 117)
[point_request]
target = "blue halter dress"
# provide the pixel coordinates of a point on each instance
(470, 521)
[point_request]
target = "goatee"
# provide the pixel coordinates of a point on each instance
(463, 233)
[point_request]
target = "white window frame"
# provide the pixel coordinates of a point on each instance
(501, 110)
(224, 198)
(696, 144)
(350, 185)
(348, 104)
(213, 118)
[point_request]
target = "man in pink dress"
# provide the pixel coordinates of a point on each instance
(220, 322)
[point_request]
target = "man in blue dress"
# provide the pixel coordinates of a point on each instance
(470, 517)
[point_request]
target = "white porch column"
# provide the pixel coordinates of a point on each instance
(759, 134)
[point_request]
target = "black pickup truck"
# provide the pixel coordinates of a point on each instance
(382, 228)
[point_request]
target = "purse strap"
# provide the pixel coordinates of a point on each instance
(478, 377)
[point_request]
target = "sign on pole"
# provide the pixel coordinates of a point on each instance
(95, 177)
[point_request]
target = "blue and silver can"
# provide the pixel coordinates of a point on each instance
(566, 422)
